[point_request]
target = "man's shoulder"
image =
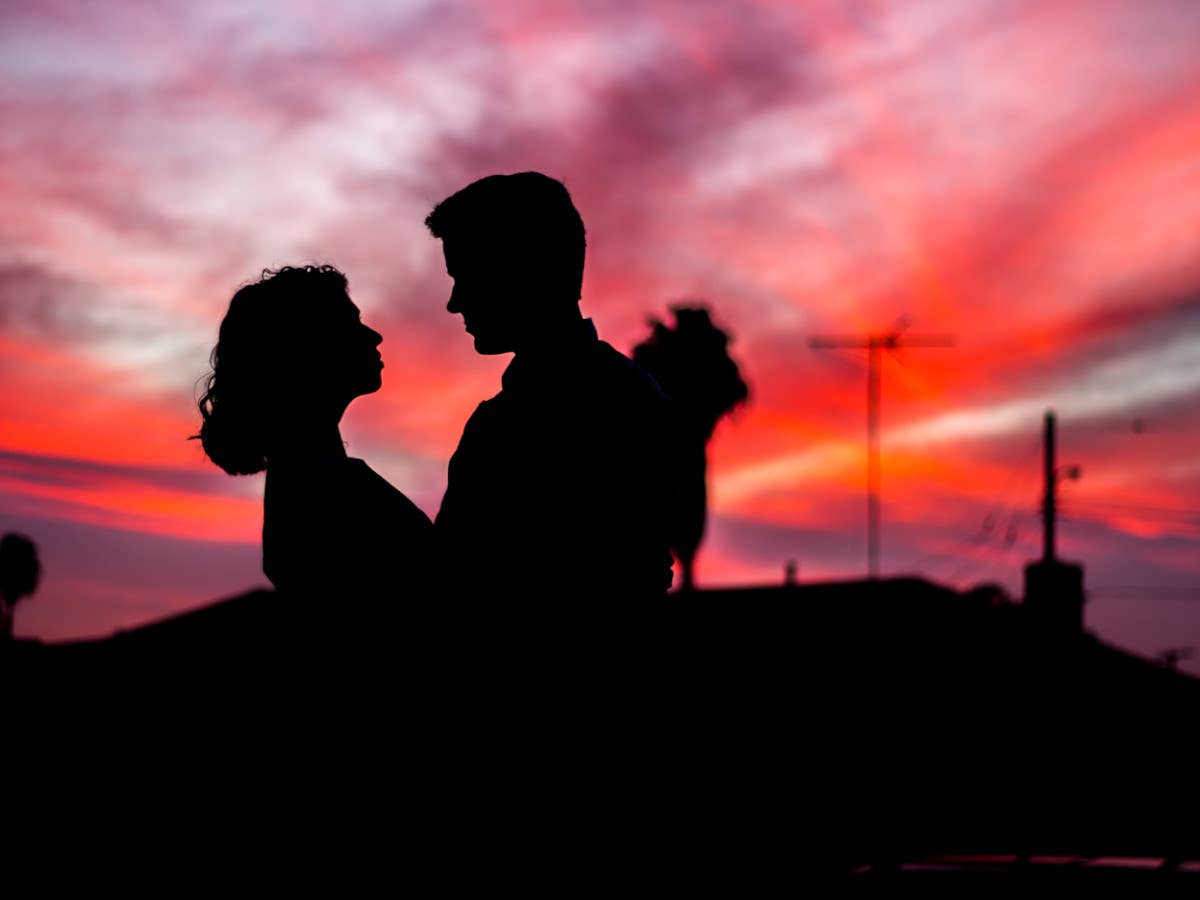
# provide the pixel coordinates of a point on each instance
(489, 411)
(621, 372)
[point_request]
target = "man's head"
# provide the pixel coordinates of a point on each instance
(514, 245)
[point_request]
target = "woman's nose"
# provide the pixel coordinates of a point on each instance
(376, 337)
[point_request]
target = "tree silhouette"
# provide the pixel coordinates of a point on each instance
(691, 362)
(20, 572)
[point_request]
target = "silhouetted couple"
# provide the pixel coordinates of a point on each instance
(560, 490)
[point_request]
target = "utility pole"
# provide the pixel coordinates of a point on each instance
(875, 344)
(1050, 481)
(1054, 593)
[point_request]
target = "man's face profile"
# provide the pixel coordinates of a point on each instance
(488, 293)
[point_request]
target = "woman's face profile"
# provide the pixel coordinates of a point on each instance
(346, 351)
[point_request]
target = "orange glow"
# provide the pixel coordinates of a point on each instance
(134, 507)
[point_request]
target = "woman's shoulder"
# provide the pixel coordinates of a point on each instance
(388, 496)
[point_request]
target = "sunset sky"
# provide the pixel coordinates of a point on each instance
(1022, 175)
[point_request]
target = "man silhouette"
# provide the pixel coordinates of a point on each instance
(560, 488)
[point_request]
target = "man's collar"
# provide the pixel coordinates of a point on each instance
(531, 364)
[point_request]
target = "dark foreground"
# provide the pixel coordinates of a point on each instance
(894, 734)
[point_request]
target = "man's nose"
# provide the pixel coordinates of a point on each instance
(453, 305)
(376, 337)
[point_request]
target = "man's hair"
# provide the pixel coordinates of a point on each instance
(526, 215)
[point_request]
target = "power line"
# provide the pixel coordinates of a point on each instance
(1077, 514)
(981, 540)
(1137, 508)
(1000, 508)
(1002, 557)
(1147, 592)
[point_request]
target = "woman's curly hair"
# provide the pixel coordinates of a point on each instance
(248, 383)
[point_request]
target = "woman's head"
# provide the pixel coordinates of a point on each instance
(291, 348)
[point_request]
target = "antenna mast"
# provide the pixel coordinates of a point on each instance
(875, 344)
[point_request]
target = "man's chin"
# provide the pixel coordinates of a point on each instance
(491, 347)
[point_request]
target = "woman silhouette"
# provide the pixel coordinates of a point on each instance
(291, 355)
